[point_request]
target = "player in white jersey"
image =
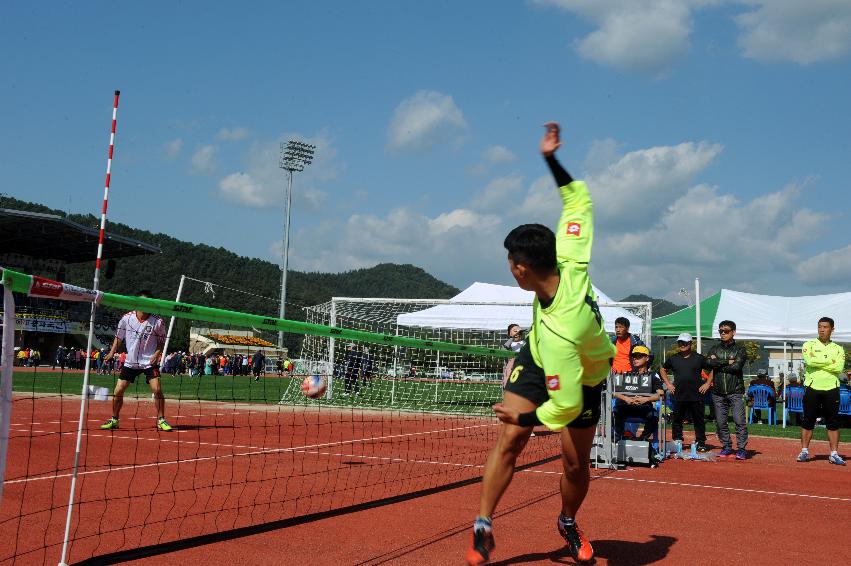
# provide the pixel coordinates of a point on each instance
(144, 335)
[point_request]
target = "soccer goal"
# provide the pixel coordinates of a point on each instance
(423, 379)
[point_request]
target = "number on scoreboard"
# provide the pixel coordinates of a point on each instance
(633, 383)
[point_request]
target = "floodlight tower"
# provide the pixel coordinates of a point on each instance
(295, 156)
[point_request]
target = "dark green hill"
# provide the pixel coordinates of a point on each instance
(161, 274)
(661, 307)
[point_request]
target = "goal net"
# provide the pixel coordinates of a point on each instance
(423, 379)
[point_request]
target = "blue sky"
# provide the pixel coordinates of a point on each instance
(715, 135)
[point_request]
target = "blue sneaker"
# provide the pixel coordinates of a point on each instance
(725, 453)
(804, 456)
(741, 454)
(836, 459)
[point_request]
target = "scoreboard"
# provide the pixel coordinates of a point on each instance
(633, 383)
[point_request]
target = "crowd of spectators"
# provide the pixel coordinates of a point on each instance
(198, 364)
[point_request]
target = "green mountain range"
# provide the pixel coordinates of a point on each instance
(246, 284)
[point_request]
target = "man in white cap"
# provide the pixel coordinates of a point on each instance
(688, 389)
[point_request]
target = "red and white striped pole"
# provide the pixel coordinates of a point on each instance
(62, 561)
(106, 189)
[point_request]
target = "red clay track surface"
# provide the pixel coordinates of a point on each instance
(140, 487)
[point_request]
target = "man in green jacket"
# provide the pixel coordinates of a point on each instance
(726, 360)
(824, 361)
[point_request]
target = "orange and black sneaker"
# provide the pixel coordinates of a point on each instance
(578, 546)
(483, 545)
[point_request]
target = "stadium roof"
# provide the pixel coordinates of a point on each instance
(48, 236)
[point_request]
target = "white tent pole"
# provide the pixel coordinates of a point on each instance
(697, 313)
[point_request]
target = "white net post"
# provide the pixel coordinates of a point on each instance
(7, 362)
(329, 392)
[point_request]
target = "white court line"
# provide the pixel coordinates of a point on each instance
(75, 421)
(254, 451)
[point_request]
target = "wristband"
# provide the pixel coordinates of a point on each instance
(529, 419)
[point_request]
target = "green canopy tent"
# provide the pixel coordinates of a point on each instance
(684, 320)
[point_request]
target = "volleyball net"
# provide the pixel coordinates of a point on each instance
(406, 410)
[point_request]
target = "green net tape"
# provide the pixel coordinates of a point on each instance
(20, 283)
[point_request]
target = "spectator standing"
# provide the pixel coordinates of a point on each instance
(624, 343)
(824, 360)
(688, 389)
(514, 343)
(761, 379)
(351, 379)
(257, 363)
(726, 359)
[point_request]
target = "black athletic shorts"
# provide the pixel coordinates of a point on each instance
(527, 379)
(130, 374)
(824, 404)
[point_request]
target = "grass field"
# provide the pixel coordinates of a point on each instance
(420, 395)
(473, 398)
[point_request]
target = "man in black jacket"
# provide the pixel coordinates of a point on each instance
(726, 360)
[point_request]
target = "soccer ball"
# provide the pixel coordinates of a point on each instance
(314, 386)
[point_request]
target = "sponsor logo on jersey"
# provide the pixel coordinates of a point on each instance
(553, 383)
(573, 228)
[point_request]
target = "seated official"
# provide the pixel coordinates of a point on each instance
(639, 406)
(761, 379)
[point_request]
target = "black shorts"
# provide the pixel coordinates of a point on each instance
(824, 404)
(527, 379)
(130, 374)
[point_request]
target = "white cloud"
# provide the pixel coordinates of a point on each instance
(171, 149)
(642, 183)
(204, 160)
(426, 119)
(262, 182)
(803, 32)
(443, 244)
(232, 134)
(498, 154)
(647, 36)
(242, 188)
(500, 194)
(657, 229)
(745, 245)
(830, 267)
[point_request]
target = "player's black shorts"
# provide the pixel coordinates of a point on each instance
(824, 404)
(527, 379)
(130, 374)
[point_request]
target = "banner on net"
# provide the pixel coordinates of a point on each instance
(50, 289)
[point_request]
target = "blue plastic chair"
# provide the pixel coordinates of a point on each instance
(794, 401)
(632, 424)
(762, 400)
(845, 401)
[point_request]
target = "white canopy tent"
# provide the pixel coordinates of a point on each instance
(486, 306)
(763, 317)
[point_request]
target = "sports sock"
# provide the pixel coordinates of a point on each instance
(805, 450)
(483, 523)
(566, 521)
(834, 453)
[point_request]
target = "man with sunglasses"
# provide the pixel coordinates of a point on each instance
(688, 389)
(726, 359)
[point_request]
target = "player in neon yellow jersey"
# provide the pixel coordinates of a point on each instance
(557, 378)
